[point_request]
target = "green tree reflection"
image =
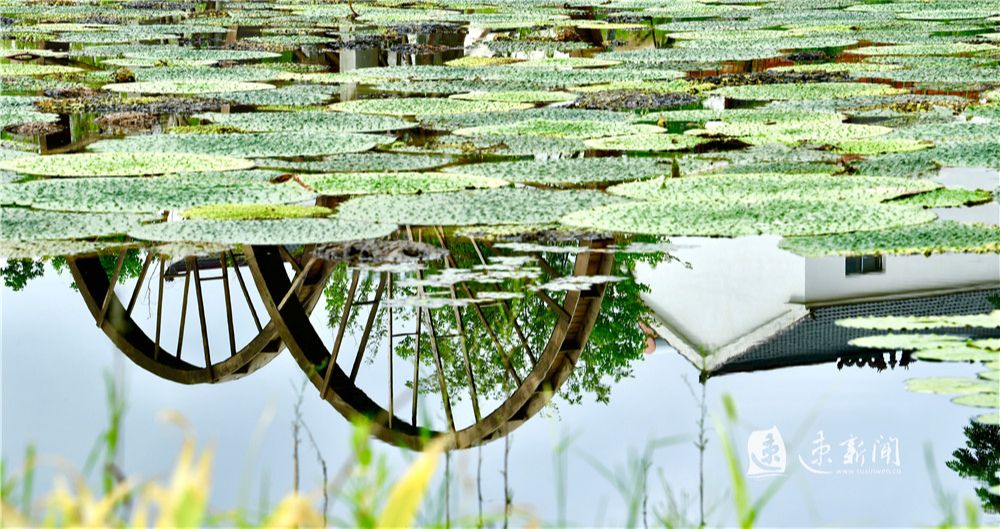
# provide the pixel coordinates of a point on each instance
(615, 343)
(979, 460)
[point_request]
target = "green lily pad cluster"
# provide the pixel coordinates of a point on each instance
(122, 164)
(151, 194)
(186, 87)
(280, 231)
(396, 183)
(923, 239)
(254, 212)
(257, 145)
(306, 121)
(980, 391)
(810, 120)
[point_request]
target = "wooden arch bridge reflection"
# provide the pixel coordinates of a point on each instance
(489, 373)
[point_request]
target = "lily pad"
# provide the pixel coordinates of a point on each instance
(451, 122)
(993, 374)
(992, 419)
(566, 62)
(242, 74)
(20, 224)
(979, 400)
(900, 323)
(18, 114)
(187, 87)
(795, 132)
(947, 198)
(287, 96)
(473, 61)
(18, 69)
(149, 194)
(258, 145)
(646, 143)
(567, 171)
(466, 208)
(306, 121)
(254, 212)
(936, 237)
(715, 219)
(949, 385)
(420, 106)
(956, 354)
(750, 187)
(363, 162)
(871, 146)
(39, 249)
(284, 231)
(173, 53)
(121, 164)
(520, 96)
(399, 183)
(946, 48)
(805, 91)
(990, 344)
(561, 129)
(909, 341)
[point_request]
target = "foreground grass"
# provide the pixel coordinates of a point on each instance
(182, 500)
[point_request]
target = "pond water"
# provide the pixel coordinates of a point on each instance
(623, 263)
(803, 379)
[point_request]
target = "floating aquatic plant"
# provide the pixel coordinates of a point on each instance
(418, 106)
(254, 212)
(17, 69)
(949, 385)
(561, 129)
(567, 171)
(805, 91)
(948, 198)
(122, 164)
(401, 183)
(362, 162)
(909, 341)
(186, 87)
(259, 145)
(19, 224)
(729, 188)
(151, 194)
(738, 218)
(489, 207)
(646, 142)
(936, 237)
(306, 121)
(284, 231)
(900, 323)
(520, 96)
(979, 400)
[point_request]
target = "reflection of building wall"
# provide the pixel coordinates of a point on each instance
(732, 288)
(826, 280)
(740, 294)
(355, 59)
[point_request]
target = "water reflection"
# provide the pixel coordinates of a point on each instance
(779, 310)
(979, 461)
(452, 335)
(510, 387)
